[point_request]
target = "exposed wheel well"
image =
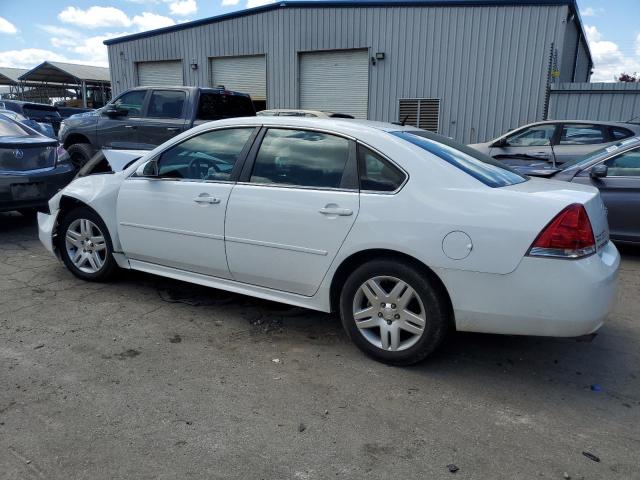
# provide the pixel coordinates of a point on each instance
(75, 138)
(360, 258)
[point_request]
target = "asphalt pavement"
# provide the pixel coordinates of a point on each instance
(149, 378)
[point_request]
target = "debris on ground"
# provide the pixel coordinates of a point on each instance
(130, 353)
(175, 339)
(276, 360)
(452, 468)
(596, 387)
(38, 346)
(302, 427)
(591, 456)
(566, 476)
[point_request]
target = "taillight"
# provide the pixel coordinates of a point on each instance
(569, 235)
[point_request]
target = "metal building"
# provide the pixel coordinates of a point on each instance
(469, 69)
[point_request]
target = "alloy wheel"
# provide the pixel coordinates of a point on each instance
(86, 245)
(389, 313)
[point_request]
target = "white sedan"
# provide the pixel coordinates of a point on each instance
(407, 234)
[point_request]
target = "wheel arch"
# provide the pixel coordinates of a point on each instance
(74, 138)
(68, 203)
(357, 259)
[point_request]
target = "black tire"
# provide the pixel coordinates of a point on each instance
(108, 267)
(80, 153)
(434, 302)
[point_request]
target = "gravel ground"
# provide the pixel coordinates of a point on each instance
(151, 378)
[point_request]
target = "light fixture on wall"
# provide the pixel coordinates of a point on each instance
(378, 56)
(194, 65)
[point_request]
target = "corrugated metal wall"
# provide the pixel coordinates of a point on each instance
(487, 64)
(595, 101)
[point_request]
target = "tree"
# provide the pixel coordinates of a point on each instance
(629, 77)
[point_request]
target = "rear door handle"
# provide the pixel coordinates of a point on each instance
(206, 198)
(343, 212)
(173, 129)
(130, 126)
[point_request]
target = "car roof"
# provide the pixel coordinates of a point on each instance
(583, 122)
(187, 88)
(337, 124)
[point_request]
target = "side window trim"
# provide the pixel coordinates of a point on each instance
(386, 159)
(349, 180)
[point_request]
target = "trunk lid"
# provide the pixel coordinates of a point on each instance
(22, 154)
(563, 194)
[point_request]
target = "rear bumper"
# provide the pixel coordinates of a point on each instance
(546, 297)
(47, 183)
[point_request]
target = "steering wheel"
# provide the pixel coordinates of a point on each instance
(199, 167)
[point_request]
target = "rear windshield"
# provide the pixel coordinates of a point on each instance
(479, 166)
(601, 153)
(215, 106)
(11, 129)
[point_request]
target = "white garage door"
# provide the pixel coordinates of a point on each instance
(160, 73)
(246, 74)
(335, 81)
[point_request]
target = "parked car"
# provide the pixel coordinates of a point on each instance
(615, 171)
(285, 112)
(406, 233)
(145, 117)
(39, 112)
(44, 128)
(556, 142)
(32, 167)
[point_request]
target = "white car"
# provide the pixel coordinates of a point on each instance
(405, 233)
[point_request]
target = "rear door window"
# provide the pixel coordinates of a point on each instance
(166, 104)
(573, 134)
(302, 158)
(215, 106)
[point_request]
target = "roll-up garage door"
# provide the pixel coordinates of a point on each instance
(246, 74)
(168, 73)
(336, 81)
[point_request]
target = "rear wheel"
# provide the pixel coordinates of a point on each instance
(394, 312)
(85, 245)
(80, 153)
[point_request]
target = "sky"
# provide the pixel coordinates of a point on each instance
(32, 31)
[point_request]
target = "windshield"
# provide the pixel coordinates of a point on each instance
(470, 161)
(603, 152)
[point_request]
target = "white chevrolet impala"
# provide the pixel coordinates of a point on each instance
(405, 233)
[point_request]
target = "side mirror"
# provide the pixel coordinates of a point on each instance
(148, 169)
(499, 143)
(599, 171)
(113, 111)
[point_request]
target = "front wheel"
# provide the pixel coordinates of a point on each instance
(85, 245)
(80, 154)
(394, 312)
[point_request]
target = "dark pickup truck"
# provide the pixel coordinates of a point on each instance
(145, 117)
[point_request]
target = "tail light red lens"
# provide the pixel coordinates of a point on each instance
(569, 235)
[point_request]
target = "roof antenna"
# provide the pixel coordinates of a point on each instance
(632, 119)
(404, 120)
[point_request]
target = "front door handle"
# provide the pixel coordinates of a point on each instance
(173, 129)
(206, 198)
(130, 126)
(343, 212)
